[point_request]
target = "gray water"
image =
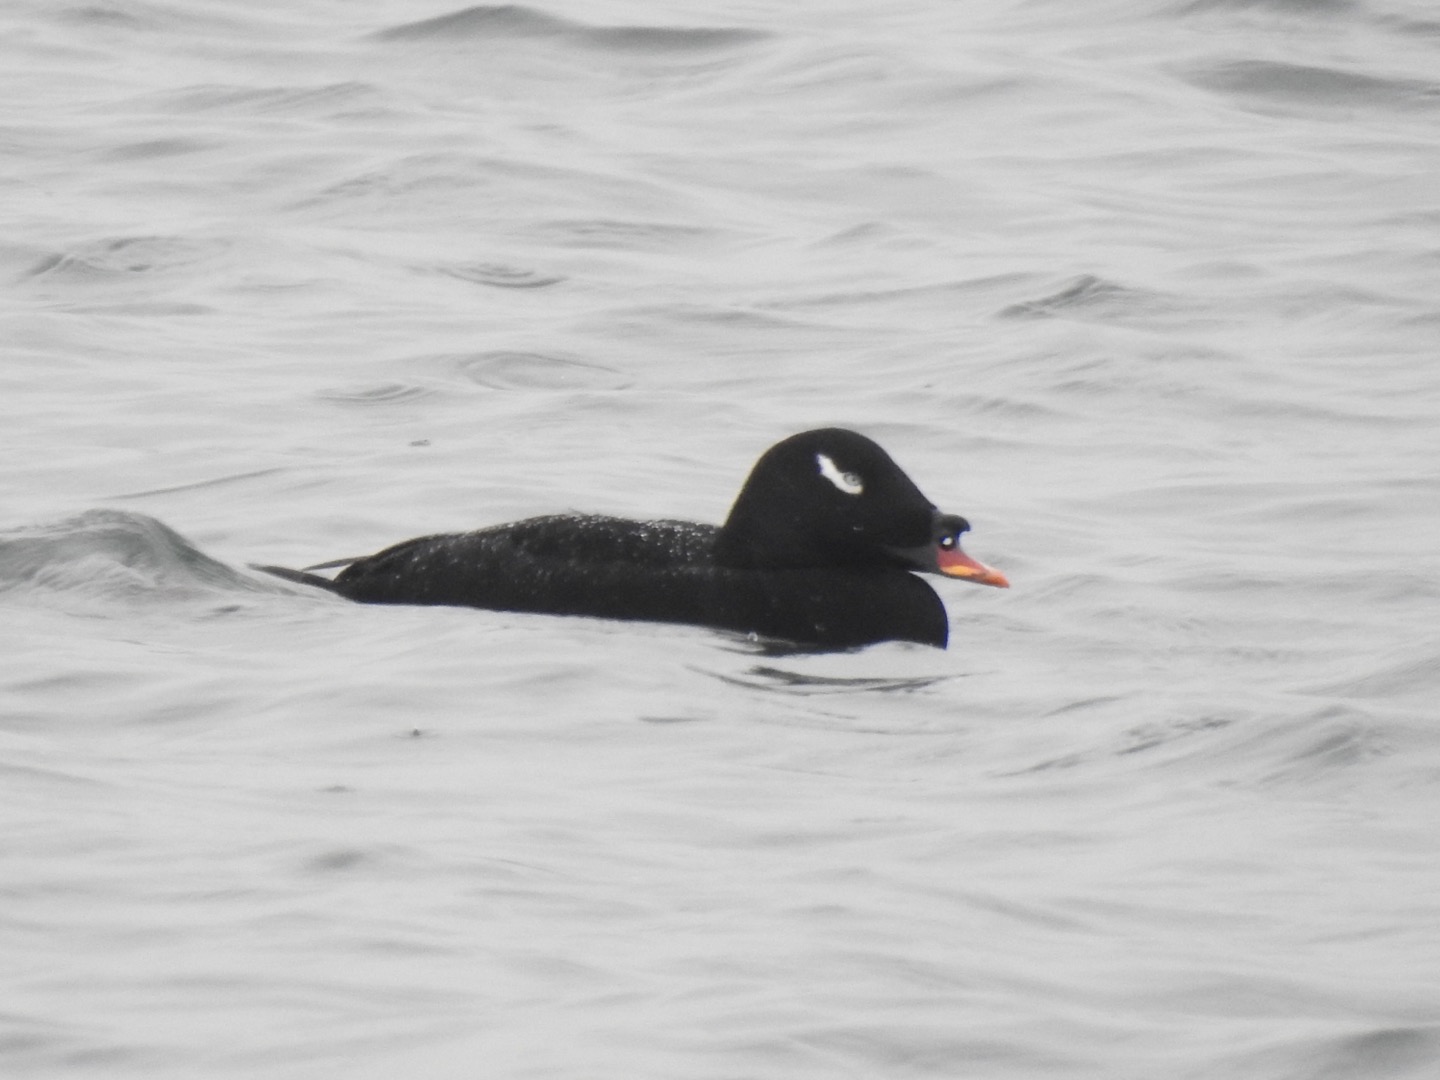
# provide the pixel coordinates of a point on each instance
(1149, 292)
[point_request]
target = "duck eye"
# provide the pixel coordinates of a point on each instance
(850, 483)
(948, 541)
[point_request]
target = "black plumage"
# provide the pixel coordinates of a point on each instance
(818, 549)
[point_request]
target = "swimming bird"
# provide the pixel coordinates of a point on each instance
(818, 550)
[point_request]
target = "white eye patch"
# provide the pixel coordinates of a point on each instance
(848, 482)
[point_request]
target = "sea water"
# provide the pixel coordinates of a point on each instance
(1150, 292)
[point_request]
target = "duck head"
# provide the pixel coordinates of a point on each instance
(832, 498)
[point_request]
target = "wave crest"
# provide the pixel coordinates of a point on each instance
(112, 555)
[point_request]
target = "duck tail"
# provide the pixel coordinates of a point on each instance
(299, 577)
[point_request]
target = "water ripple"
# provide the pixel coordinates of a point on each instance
(503, 370)
(1088, 295)
(1269, 83)
(126, 255)
(499, 276)
(515, 21)
(780, 680)
(375, 394)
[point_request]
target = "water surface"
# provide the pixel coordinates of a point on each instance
(1147, 292)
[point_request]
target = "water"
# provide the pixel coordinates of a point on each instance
(1148, 292)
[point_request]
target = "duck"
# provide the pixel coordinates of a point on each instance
(821, 549)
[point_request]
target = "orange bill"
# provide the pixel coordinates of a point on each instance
(952, 562)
